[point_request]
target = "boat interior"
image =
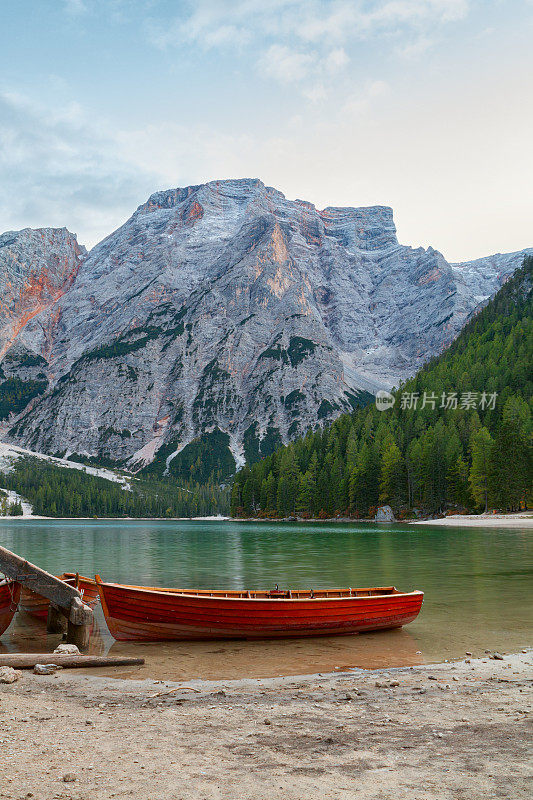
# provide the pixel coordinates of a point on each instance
(74, 576)
(276, 594)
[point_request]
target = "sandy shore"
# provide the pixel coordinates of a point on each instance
(456, 731)
(522, 520)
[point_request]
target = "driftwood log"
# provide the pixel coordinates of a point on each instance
(29, 660)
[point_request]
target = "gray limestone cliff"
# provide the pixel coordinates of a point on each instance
(226, 313)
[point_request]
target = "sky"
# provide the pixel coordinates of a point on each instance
(423, 105)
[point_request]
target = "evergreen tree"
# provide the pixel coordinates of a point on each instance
(511, 457)
(305, 493)
(236, 499)
(457, 482)
(313, 471)
(272, 492)
(392, 483)
(481, 448)
(364, 481)
(288, 483)
(248, 497)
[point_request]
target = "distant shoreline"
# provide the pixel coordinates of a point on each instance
(517, 520)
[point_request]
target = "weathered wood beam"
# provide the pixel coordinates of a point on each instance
(29, 660)
(40, 581)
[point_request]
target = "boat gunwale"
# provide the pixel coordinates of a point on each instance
(393, 592)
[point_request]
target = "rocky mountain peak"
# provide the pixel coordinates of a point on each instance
(223, 317)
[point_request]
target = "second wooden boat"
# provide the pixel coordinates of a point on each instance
(152, 614)
(9, 598)
(37, 606)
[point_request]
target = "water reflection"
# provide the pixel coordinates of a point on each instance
(476, 583)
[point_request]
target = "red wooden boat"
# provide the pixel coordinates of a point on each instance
(37, 606)
(152, 614)
(9, 598)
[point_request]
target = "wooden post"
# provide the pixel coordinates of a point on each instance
(79, 624)
(56, 622)
(78, 635)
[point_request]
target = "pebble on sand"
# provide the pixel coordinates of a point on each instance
(67, 650)
(45, 669)
(8, 675)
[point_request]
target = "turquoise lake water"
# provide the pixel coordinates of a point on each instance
(477, 585)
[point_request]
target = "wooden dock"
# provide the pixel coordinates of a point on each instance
(67, 608)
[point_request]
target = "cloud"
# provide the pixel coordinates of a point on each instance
(294, 67)
(311, 21)
(336, 60)
(208, 25)
(413, 12)
(57, 169)
(75, 7)
(297, 40)
(339, 135)
(285, 65)
(415, 49)
(179, 33)
(358, 102)
(61, 167)
(315, 93)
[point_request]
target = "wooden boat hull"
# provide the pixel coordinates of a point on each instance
(37, 606)
(9, 598)
(151, 614)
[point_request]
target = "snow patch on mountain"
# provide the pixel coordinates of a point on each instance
(9, 454)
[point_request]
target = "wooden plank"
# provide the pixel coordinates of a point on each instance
(38, 580)
(29, 660)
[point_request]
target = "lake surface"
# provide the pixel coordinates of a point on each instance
(477, 585)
